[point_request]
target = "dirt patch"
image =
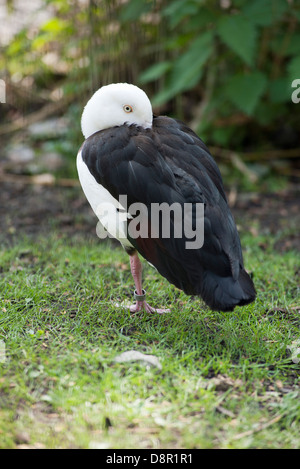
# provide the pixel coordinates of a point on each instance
(275, 214)
(35, 210)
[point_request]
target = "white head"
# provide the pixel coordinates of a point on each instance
(116, 104)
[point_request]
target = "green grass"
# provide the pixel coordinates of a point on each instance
(226, 379)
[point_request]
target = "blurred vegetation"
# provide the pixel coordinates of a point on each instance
(226, 67)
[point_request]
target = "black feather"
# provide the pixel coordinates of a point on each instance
(170, 163)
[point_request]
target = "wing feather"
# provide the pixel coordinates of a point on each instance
(170, 163)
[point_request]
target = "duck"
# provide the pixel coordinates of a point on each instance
(154, 186)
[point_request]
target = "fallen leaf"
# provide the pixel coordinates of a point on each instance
(294, 350)
(134, 355)
(223, 383)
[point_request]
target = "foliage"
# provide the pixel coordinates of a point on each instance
(217, 64)
(241, 58)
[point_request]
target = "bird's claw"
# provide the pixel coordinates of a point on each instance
(140, 305)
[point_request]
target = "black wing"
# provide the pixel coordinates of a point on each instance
(169, 163)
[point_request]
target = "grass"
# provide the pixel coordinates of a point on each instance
(226, 379)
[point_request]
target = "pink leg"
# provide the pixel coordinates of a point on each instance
(136, 270)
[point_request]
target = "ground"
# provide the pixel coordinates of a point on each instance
(34, 209)
(224, 381)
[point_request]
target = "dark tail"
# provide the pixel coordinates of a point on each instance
(225, 293)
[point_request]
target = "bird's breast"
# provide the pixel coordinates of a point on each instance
(111, 214)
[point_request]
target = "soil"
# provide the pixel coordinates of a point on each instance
(35, 210)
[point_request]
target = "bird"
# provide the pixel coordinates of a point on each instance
(132, 161)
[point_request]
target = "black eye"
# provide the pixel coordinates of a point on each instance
(127, 108)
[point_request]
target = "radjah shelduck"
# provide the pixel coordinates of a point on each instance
(131, 158)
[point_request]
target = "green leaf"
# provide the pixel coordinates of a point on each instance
(280, 90)
(293, 47)
(39, 42)
(55, 25)
(294, 68)
(265, 112)
(187, 69)
(246, 90)
(133, 10)
(265, 12)
(239, 35)
(155, 71)
(178, 10)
